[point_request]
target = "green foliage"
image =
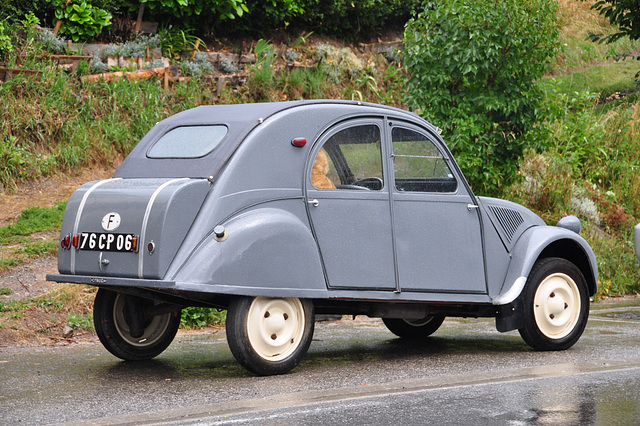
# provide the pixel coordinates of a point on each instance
(473, 68)
(193, 317)
(354, 19)
(624, 14)
(80, 20)
(48, 302)
(33, 219)
(76, 320)
(136, 48)
(261, 82)
(12, 10)
(190, 13)
(197, 66)
(175, 41)
(5, 291)
(6, 46)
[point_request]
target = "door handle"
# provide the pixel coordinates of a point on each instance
(471, 207)
(313, 202)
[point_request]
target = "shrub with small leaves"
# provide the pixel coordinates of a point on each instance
(52, 42)
(341, 62)
(227, 66)
(97, 65)
(473, 68)
(197, 67)
(290, 55)
(6, 46)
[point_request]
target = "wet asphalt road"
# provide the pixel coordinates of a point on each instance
(355, 372)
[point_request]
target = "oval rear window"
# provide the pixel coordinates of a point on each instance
(188, 142)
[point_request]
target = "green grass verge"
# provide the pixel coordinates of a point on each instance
(601, 79)
(20, 240)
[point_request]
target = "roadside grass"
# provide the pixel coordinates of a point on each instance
(604, 80)
(34, 233)
(577, 20)
(64, 304)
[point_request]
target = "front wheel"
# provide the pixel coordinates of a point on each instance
(414, 329)
(556, 305)
(269, 335)
(112, 318)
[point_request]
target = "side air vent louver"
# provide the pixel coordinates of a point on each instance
(509, 219)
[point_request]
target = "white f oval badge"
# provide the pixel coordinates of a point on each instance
(111, 221)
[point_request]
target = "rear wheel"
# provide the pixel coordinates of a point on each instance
(269, 335)
(556, 305)
(112, 319)
(414, 329)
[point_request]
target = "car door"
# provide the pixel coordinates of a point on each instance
(436, 220)
(349, 208)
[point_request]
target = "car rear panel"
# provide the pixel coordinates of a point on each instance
(128, 227)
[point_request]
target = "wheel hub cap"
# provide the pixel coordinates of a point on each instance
(275, 327)
(557, 305)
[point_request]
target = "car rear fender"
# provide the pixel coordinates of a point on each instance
(268, 250)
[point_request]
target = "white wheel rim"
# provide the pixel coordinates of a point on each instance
(557, 305)
(275, 327)
(152, 332)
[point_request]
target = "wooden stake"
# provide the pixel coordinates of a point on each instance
(139, 21)
(59, 23)
(195, 49)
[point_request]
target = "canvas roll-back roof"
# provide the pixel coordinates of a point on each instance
(240, 120)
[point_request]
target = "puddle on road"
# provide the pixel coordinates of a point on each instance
(633, 314)
(623, 315)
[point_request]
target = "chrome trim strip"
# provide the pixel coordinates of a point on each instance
(513, 293)
(76, 223)
(145, 222)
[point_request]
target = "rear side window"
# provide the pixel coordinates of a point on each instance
(188, 142)
(418, 165)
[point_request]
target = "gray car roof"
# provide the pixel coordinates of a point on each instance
(241, 119)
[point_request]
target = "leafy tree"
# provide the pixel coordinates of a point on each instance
(625, 14)
(473, 66)
(191, 13)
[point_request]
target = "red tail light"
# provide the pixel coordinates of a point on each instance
(75, 241)
(64, 244)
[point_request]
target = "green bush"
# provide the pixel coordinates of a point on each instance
(199, 14)
(81, 20)
(193, 317)
(342, 18)
(6, 46)
(12, 10)
(473, 68)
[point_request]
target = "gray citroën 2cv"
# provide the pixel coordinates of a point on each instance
(280, 211)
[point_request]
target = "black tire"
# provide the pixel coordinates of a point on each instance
(414, 329)
(556, 305)
(112, 328)
(269, 335)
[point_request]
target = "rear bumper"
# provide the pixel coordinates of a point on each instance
(111, 281)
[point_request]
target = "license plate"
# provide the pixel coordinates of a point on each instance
(98, 241)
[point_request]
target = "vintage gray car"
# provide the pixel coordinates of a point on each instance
(277, 212)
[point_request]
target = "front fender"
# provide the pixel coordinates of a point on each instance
(546, 241)
(266, 252)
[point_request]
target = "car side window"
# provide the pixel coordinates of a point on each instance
(350, 159)
(418, 165)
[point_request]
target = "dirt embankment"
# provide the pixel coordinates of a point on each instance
(43, 322)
